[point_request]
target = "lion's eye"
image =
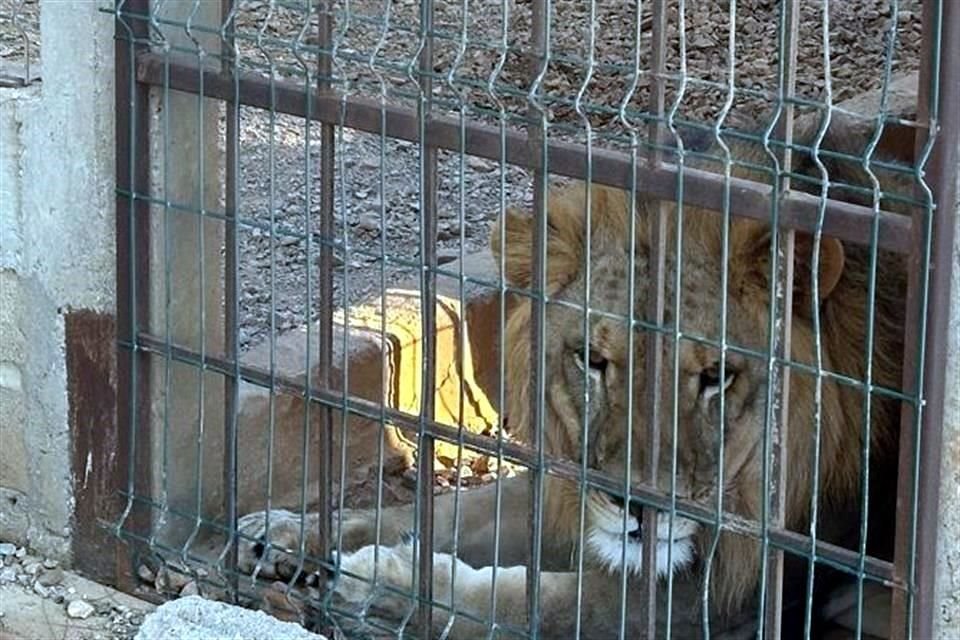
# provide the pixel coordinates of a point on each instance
(595, 359)
(710, 379)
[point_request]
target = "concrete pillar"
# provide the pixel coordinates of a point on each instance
(186, 296)
(57, 257)
(948, 539)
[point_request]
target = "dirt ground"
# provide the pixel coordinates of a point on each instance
(41, 601)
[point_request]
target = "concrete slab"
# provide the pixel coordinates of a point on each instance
(193, 618)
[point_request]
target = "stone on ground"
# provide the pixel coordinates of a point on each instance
(193, 618)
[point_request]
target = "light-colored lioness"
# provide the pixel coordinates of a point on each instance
(590, 360)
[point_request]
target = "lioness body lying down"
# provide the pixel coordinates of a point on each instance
(598, 359)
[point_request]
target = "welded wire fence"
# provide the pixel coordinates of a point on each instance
(629, 307)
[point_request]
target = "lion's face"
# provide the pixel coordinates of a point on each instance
(596, 369)
(596, 388)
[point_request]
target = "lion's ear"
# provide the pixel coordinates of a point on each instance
(830, 266)
(518, 227)
(564, 237)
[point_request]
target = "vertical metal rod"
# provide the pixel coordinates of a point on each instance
(928, 307)
(871, 310)
(501, 308)
(231, 307)
(325, 286)
(133, 270)
(942, 174)
(537, 133)
(776, 515)
(428, 302)
(631, 295)
(724, 301)
(657, 234)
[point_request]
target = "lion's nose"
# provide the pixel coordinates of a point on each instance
(636, 510)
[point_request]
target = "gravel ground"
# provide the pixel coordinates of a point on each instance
(377, 218)
(19, 36)
(377, 213)
(38, 599)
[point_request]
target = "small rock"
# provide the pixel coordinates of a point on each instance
(20, 552)
(7, 549)
(80, 609)
(51, 577)
(170, 580)
(478, 164)
(190, 589)
(40, 590)
(369, 222)
(8, 575)
(447, 255)
(32, 568)
(49, 563)
(145, 573)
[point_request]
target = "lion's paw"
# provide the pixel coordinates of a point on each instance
(270, 543)
(386, 590)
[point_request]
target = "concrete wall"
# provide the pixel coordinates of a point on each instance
(948, 541)
(56, 254)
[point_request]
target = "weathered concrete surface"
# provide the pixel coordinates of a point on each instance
(56, 253)
(948, 540)
(193, 618)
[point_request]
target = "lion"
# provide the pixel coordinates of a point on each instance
(588, 383)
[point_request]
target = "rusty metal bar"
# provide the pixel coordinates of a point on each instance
(942, 174)
(537, 144)
(231, 305)
(654, 314)
(428, 302)
(521, 454)
(325, 285)
(133, 278)
(925, 342)
(773, 582)
(845, 221)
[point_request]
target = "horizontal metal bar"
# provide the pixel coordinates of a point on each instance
(791, 541)
(704, 189)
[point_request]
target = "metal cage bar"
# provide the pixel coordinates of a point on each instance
(428, 311)
(798, 210)
(538, 144)
(927, 312)
(325, 266)
(231, 305)
(927, 235)
(655, 314)
(777, 419)
(133, 277)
